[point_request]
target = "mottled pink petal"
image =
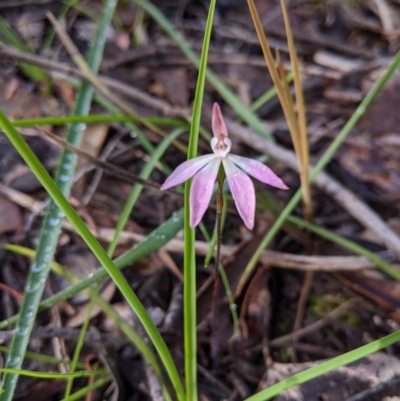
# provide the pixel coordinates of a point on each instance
(217, 122)
(201, 191)
(242, 191)
(186, 170)
(258, 170)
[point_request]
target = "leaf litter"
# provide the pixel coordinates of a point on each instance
(361, 36)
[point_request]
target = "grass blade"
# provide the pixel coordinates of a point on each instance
(60, 200)
(325, 367)
(49, 233)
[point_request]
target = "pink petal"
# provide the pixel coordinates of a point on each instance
(217, 122)
(258, 170)
(186, 170)
(242, 191)
(201, 191)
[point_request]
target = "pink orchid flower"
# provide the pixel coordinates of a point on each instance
(205, 170)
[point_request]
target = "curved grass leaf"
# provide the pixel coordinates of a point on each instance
(97, 250)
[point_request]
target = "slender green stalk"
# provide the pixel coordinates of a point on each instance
(50, 230)
(325, 159)
(325, 367)
(189, 270)
(59, 199)
(131, 334)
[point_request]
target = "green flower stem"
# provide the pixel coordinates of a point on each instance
(325, 367)
(50, 230)
(189, 258)
(325, 159)
(97, 250)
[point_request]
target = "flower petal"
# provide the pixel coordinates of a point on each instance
(242, 191)
(186, 170)
(217, 122)
(201, 191)
(258, 170)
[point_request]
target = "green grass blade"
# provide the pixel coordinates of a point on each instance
(50, 230)
(44, 375)
(95, 119)
(59, 199)
(325, 367)
(78, 395)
